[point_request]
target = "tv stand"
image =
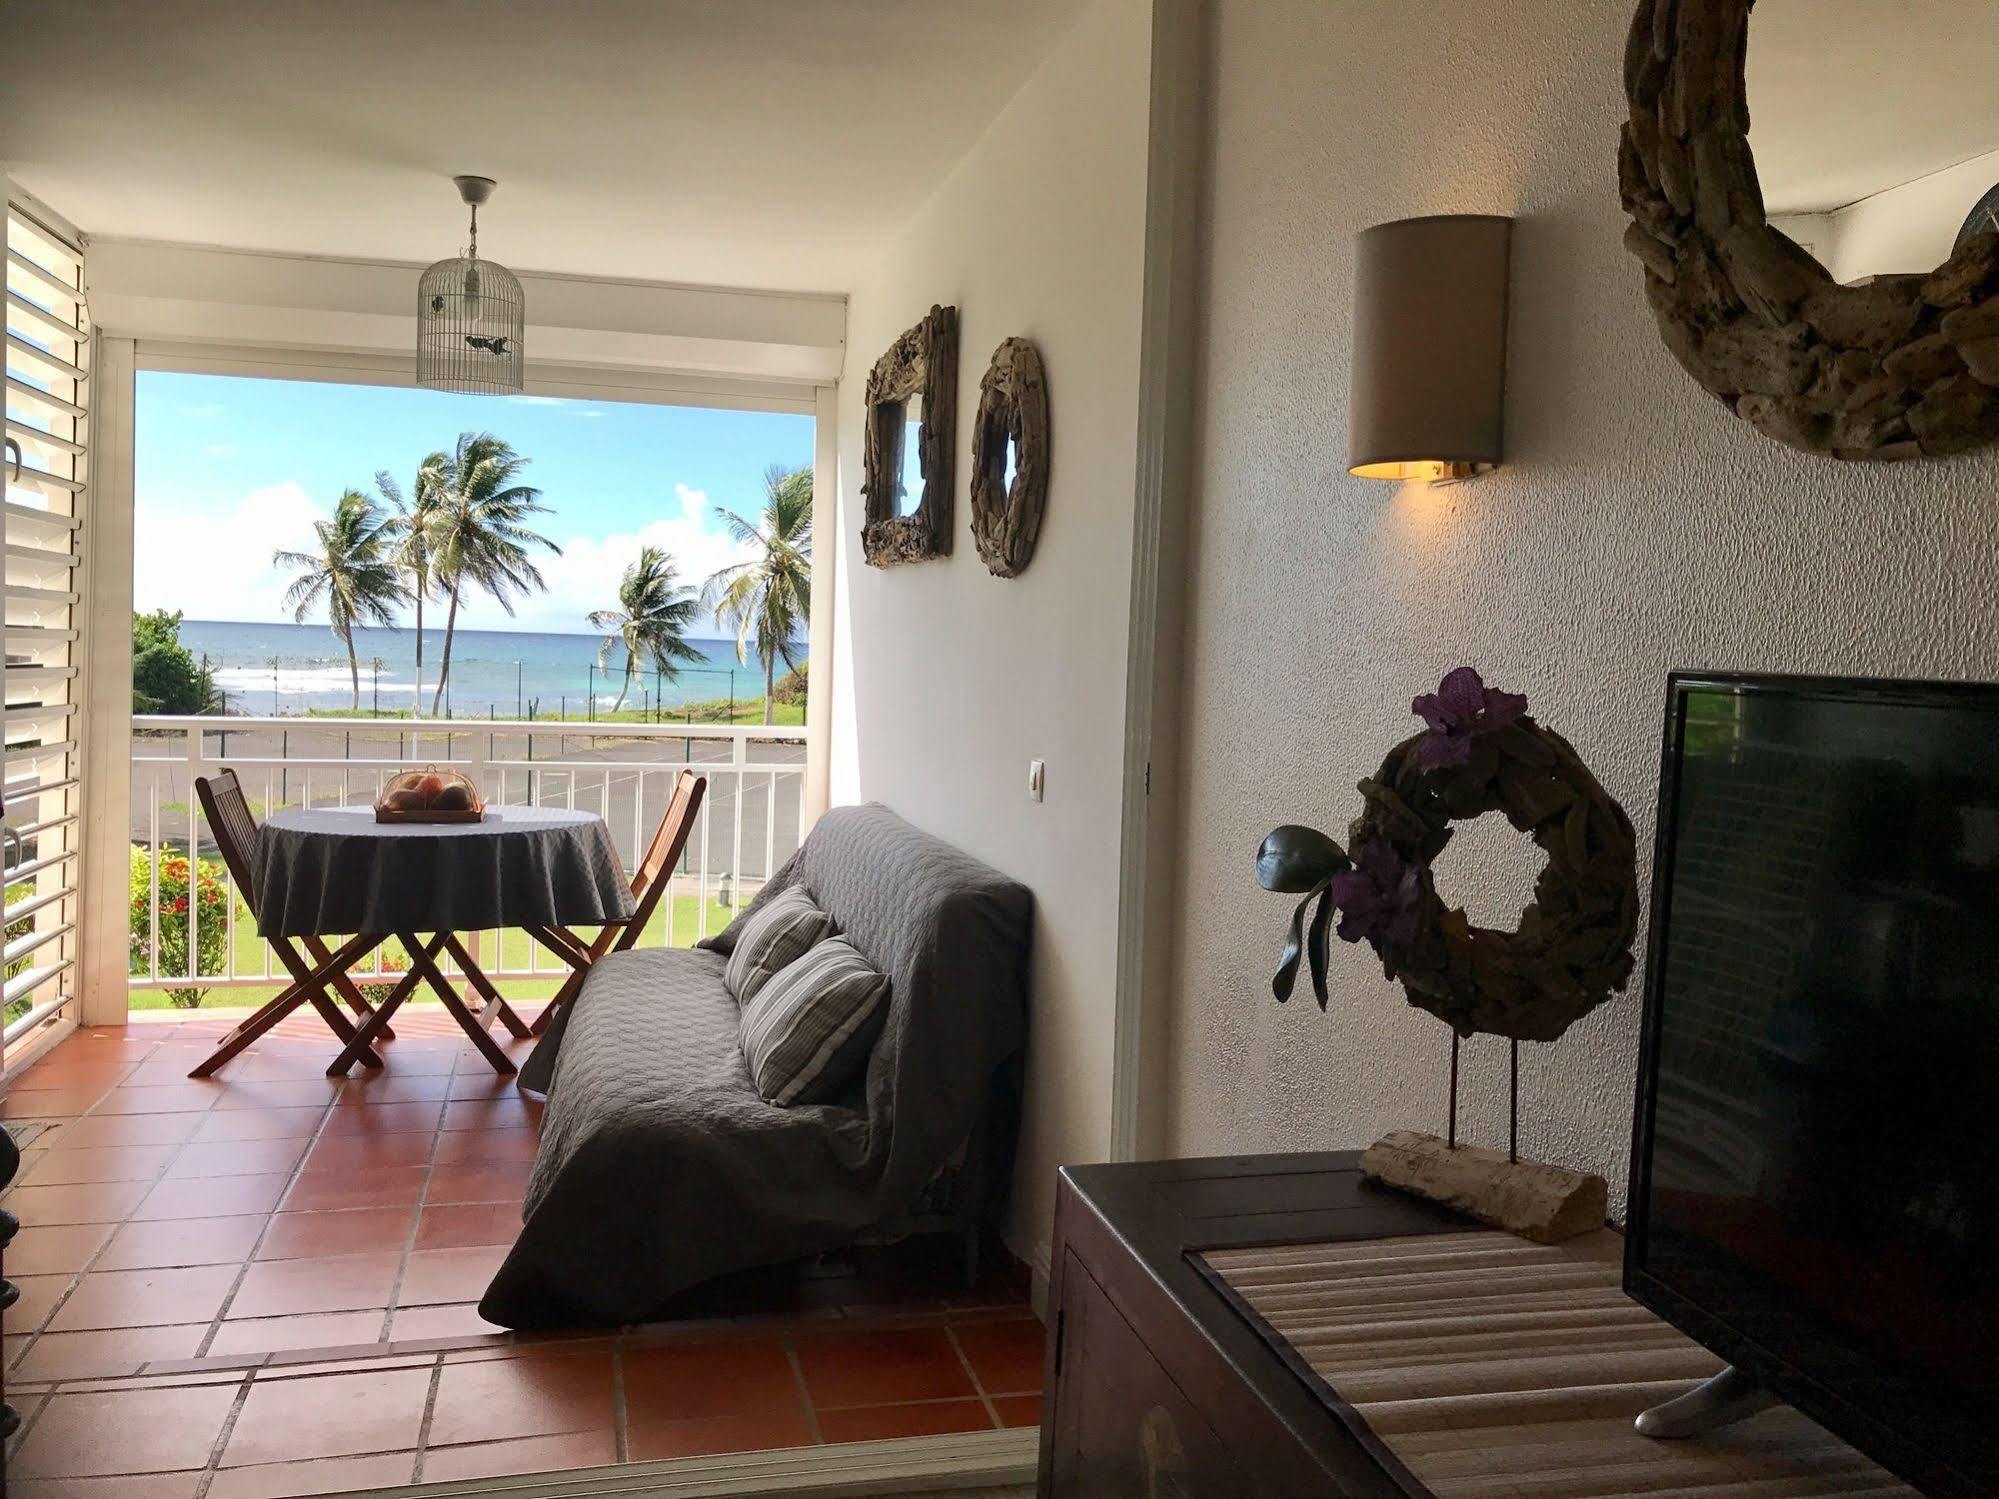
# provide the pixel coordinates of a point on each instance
(1408, 1376)
(1729, 1397)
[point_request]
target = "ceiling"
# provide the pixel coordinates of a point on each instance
(763, 143)
(1850, 97)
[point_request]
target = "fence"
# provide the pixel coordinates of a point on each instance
(750, 822)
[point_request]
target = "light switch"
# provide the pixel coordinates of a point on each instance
(1037, 772)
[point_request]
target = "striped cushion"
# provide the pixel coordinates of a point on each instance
(777, 935)
(812, 1025)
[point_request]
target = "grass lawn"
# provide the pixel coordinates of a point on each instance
(250, 953)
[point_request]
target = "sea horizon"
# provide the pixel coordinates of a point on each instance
(281, 667)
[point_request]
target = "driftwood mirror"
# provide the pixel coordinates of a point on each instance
(907, 449)
(1827, 275)
(1010, 459)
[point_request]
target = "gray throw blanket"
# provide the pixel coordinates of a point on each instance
(659, 1165)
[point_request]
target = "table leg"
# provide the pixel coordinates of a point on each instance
(376, 1024)
(344, 985)
(476, 977)
(420, 961)
(305, 987)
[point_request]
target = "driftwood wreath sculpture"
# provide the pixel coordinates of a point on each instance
(1480, 753)
(1899, 367)
(1013, 414)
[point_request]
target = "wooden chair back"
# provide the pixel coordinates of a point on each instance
(234, 829)
(669, 841)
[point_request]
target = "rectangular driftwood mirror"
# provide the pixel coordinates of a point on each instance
(911, 437)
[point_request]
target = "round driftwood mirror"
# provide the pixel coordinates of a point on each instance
(1825, 275)
(1010, 459)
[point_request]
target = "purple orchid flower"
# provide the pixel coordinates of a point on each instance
(1379, 896)
(1462, 709)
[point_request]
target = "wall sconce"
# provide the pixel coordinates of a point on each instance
(1429, 348)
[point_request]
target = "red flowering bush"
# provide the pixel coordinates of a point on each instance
(210, 894)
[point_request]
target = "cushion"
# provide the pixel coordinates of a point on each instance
(811, 1024)
(772, 938)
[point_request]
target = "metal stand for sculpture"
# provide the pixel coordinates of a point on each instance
(1572, 949)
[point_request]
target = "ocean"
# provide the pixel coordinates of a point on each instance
(288, 668)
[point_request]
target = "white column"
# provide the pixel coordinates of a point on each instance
(819, 644)
(104, 689)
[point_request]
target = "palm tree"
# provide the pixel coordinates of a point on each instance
(478, 536)
(652, 619)
(353, 572)
(768, 595)
(414, 522)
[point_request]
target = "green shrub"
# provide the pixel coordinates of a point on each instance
(211, 894)
(790, 687)
(165, 676)
(377, 991)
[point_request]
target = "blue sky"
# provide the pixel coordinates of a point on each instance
(231, 469)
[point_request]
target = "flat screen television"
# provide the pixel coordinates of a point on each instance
(1815, 1161)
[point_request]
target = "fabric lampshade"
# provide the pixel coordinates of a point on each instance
(1429, 348)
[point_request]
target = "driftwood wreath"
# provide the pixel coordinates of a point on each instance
(1013, 412)
(1480, 753)
(1899, 367)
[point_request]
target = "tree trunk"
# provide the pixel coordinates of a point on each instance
(631, 662)
(353, 665)
(416, 708)
(770, 687)
(444, 660)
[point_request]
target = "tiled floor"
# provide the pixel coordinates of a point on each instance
(266, 1284)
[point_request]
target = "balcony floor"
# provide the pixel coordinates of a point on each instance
(266, 1283)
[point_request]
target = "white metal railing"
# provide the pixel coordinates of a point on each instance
(750, 821)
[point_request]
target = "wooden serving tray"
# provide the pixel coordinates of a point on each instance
(469, 814)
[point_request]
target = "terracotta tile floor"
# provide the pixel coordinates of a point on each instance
(266, 1284)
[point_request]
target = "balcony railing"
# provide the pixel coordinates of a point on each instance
(750, 822)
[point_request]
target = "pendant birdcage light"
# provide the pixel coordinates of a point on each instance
(470, 316)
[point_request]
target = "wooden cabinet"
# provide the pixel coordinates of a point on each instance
(1123, 1430)
(1158, 1389)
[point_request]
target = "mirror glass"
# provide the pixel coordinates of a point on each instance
(1012, 465)
(909, 458)
(1875, 126)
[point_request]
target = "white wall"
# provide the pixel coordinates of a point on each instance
(949, 680)
(1907, 228)
(1637, 527)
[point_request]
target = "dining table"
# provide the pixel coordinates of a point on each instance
(336, 871)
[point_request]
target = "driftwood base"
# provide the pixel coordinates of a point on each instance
(1545, 1204)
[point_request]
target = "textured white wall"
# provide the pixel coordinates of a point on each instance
(1637, 527)
(949, 680)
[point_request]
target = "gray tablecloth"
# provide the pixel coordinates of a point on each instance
(337, 870)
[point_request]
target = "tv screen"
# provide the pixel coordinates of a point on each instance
(1815, 1171)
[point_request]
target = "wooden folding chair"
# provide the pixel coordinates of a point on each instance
(312, 970)
(649, 882)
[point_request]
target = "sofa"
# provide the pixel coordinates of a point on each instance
(661, 1167)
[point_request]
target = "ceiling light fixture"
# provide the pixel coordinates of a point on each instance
(470, 316)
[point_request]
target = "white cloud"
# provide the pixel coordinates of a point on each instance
(585, 576)
(221, 568)
(559, 403)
